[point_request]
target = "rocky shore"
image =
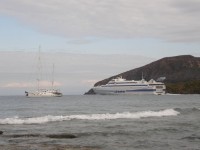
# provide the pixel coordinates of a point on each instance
(45, 147)
(32, 145)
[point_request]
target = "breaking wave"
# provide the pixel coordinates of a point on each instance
(107, 116)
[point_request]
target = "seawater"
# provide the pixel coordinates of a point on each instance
(97, 122)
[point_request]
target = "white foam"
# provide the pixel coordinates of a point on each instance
(107, 116)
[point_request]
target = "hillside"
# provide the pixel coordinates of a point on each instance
(182, 74)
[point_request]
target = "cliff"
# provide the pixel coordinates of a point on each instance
(182, 74)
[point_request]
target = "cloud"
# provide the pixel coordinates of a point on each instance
(176, 21)
(43, 84)
(16, 85)
(89, 82)
(79, 41)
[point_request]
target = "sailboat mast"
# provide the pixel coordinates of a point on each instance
(52, 82)
(39, 69)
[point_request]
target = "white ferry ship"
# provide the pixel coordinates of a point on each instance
(123, 86)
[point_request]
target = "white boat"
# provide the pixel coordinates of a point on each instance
(44, 93)
(123, 86)
(40, 92)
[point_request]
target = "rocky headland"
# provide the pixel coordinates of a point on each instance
(182, 74)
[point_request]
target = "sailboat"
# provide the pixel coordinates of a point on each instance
(40, 92)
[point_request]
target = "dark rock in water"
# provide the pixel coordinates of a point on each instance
(61, 136)
(23, 135)
(57, 136)
(192, 137)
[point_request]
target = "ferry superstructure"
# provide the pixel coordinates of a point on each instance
(122, 86)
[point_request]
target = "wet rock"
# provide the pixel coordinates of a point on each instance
(61, 136)
(57, 136)
(192, 137)
(26, 135)
(23, 135)
(1, 132)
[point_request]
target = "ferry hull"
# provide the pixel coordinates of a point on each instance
(33, 95)
(127, 91)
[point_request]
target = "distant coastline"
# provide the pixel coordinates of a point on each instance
(182, 74)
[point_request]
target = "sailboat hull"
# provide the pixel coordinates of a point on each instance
(46, 93)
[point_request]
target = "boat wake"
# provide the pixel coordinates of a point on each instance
(107, 116)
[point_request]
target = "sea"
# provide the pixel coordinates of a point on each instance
(100, 122)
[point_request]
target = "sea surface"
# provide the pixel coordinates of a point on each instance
(97, 122)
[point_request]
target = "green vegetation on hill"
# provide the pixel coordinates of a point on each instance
(187, 87)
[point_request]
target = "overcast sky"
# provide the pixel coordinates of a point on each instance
(89, 40)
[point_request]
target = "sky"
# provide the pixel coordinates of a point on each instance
(89, 40)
